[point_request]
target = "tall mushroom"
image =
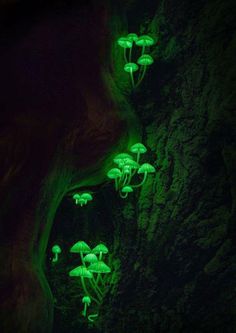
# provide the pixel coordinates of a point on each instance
(100, 268)
(138, 148)
(115, 174)
(91, 259)
(125, 43)
(84, 273)
(145, 169)
(86, 300)
(130, 68)
(55, 250)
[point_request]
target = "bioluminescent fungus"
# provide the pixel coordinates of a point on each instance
(86, 300)
(131, 67)
(129, 167)
(144, 60)
(56, 250)
(92, 269)
(82, 198)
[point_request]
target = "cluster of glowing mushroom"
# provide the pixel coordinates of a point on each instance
(145, 60)
(127, 168)
(82, 199)
(91, 273)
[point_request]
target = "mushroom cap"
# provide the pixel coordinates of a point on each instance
(127, 189)
(145, 60)
(81, 271)
(146, 167)
(86, 196)
(130, 67)
(132, 164)
(144, 40)
(80, 246)
(99, 267)
(100, 248)
(132, 37)
(91, 258)
(138, 148)
(125, 42)
(122, 157)
(56, 249)
(114, 173)
(86, 299)
(76, 196)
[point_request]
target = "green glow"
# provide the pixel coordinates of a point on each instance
(82, 198)
(144, 60)
(55, 250)
(144, 40)
(128, 168)
(92, 269)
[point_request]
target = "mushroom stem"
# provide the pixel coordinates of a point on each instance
(125, 57)
(143, 181)
(92, 316)
(96, 289)
(138, 157)
(143, 49)
(82, 258)
(86, 291)
(130, 54)
(132, 78)
(55, 258)
(141, 75)
(85, 309)
(123, 196)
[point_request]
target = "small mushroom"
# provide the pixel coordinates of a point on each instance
(115, 174)
(138, 148)
(126, 190)
(144, 41)
(55, 250)
(122, 157)
(130, 68)
(81, 201)
(145, 60)
(100, 249)
(76, 197)
(86, 196)
(86, 300)
(90, 258)
(124, 42)
(145, 169)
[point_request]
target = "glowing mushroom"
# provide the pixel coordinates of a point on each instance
(130, 68)
(126, 190)
(55, 250)
(86, 300)
(80, 247)
(87, 197)
(125, 43)
(138, 148)
(90, 258)
(132, 37)
(76, 197)
(145, 169)
(115, 174)
(83, 273)
(145, 60)
(144, 41)
(100, 249)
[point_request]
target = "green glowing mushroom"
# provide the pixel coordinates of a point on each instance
(122, 157)
(145, 60)
(115, 174)
(145, 169)
(99, 267)
(55, 250)
(144, 40)
(130, 68)
(76, 196)
(124, 42)
(100, 249)
(86, 197)
(127, 189)
(90, 258)
(138, 148)
(80, 247)
(81, 201)
(83, 273)
(86, 300)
